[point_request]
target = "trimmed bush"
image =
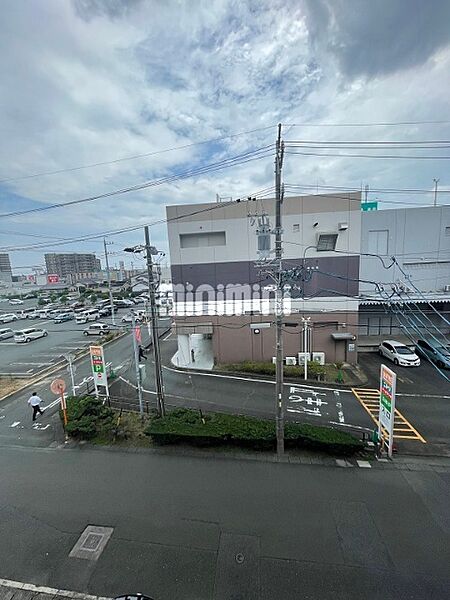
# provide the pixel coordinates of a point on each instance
(263, 368)
(87, 417)
(218, 429)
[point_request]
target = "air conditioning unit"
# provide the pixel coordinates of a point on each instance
(301, 357)
(319, 357)
(446, 288)
(274, 360)
(291, 360)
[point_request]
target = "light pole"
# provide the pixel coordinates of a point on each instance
(136, 363)
(436, 181)
(109, 281)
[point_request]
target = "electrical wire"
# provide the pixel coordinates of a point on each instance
(381, 156)
(239, 159)
(382, 124)
(350, 188)
(136, 156)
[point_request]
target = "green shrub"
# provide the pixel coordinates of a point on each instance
(218, 429)
(264, 368)
(87, 417)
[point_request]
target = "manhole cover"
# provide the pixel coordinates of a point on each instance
(92, 542)
(239, 558)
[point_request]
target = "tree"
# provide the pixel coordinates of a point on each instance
(63, 299)
(94, 298)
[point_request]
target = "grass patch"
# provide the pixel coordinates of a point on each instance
(315, 371)
(186, 426)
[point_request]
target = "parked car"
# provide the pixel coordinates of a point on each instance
(16, 301)
(76, 305)
(106, 311)
(6, 334)
(23, 314)
(128, 319)
(96, 329)
(43, 313)
(123, 303)
(62, 317)
(399, 353)
(8, 317)
(26, 335)
(33, 314)
(435, 352)
(87, 315)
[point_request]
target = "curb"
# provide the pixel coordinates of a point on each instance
(257, 377)
(48, 590)
(55, 368)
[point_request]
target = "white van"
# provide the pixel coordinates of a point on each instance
(96, 329)
(87, 315)
(26, 335)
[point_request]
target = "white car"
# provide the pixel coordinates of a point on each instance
(16, 301)
(399, 353)
(8, 317)
(26, 335)
(127, 318)
(87, 315)
(96, 329)
(6, 334)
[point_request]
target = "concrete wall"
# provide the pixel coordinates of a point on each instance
(420, 240)
(234, 341)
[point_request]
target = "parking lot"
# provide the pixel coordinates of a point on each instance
(27, 359)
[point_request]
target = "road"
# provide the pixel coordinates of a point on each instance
(188, 528)
(16, 427)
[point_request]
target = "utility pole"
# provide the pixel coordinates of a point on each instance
(136, 363)
(279, 296)
(108, 276)
(305, 322)
(154, 320)
(71, 370)
(436, 181)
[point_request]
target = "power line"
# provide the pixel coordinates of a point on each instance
(381, 156)
(243, 158)
(350, 188)
(382, 124)
(136, 156)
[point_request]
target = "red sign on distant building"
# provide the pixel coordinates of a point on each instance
(52, 278)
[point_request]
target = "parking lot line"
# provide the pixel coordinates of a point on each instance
(370, 401)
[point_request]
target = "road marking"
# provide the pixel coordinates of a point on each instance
(167, 337)
(30, 363)
(38, 427)
(370, 401)
(341, 462)
(15, 424)
(7, 343)
(365, 464)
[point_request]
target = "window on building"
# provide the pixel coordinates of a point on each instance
(378, 241)
(447, 231)
(326, 242)
(200, 240)
(296, 227)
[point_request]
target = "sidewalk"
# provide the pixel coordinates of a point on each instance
(16, 590)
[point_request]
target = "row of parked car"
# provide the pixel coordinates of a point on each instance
(430, 349)
(34, 333)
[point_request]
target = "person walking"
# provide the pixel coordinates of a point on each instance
(35, 402)
(141, 353)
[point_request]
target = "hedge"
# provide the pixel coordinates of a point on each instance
(315, 370)
(217, 429)
(87, 417)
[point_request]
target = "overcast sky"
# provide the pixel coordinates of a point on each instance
(92, 81)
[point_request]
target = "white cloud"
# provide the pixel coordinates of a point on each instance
(93, 81)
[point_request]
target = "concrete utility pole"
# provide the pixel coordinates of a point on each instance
(108, 276)
(436, 181)
(154, 320)
(136, 363)
(279, 296)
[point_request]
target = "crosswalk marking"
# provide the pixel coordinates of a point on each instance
(370, 400)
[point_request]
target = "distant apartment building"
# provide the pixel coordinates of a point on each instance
(5, 268)
(220, 294)
(418, 283)
(71, 263)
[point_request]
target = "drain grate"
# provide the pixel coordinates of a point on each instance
(91, 543)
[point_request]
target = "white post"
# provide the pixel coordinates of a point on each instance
(136, 362)
(72, 379)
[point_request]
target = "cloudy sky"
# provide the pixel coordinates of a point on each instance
(94, 81)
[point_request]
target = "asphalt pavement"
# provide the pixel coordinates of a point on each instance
(184, 528)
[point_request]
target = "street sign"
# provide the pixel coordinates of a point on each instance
(98, 366)
(58, 386)
(138, 335)
(388, 380)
